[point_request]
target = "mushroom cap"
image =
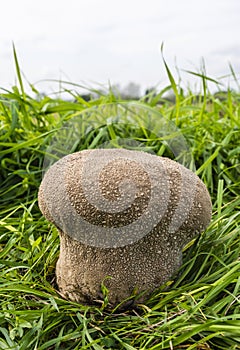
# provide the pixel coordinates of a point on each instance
(115, 197)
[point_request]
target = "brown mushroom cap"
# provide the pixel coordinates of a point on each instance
(120, 213)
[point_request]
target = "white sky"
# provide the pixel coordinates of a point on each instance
(117, 41)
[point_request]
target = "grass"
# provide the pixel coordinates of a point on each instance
(201, 307)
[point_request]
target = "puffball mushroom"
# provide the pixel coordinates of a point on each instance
(121, 214)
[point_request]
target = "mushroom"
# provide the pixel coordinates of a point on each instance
(121, 214)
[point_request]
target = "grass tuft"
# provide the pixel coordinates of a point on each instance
(200, 308)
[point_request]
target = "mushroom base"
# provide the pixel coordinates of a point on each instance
(125, 271)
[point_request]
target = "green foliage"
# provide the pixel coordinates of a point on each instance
(200, 308)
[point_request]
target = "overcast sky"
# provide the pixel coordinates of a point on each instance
(118, 41)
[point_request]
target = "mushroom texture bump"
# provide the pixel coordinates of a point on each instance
(123, 214)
